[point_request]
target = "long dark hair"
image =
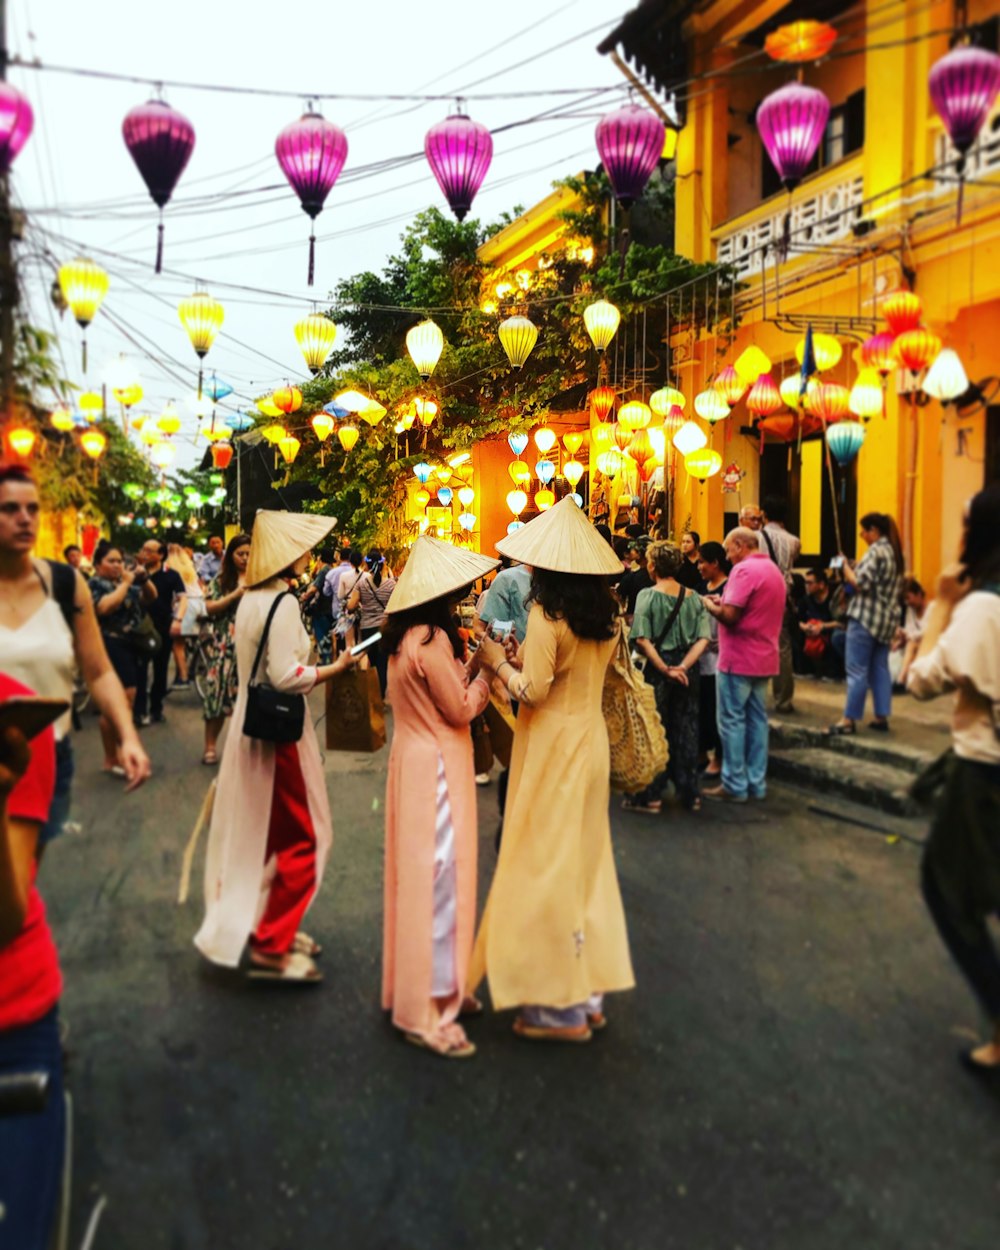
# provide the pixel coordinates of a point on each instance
(886, 526)
(981, 549)
(229, 578)
(375, 562)
(435, 615)
(583, 601)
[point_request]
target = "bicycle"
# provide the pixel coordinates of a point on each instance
(200, 655)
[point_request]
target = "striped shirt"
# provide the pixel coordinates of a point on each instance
(875, 603)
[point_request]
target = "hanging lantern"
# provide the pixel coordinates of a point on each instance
(573, 470)
(876, 352)
(443, 474)
(287, 399)
(84, 286)
(729, 386)
(519, 472)
(350, 401)
(673, 421)
(866, 398)
(138, 421)
(91, 404)
(426, 410)
(467, 520)
(689, 438)
(665, 399)
(93, 443)
(602, 437)
(602, 402)
(573, 441)
(323, 425)
(266, 407)
(751, 363)
(215, 431)
(422, 472)
(128, 395)
(16, 123)
(703, 464)
(21, 440)
(544, 499)
(658, 441)
(162, 455)
(240, 421)
(782, 425)
(946, 378)
(764, 397)
(348, 435)
(444, 495)
(421, 498)
(315, 335)
(273, 434)
(902, 310)
(517, 337)
(844, 440)
(630, 142)
(601, 320)
(425, 343)
(311, 153)
(517, 501)
(222, 453)
(710, 406)
(459, 152)
(634, 415)
(916, 349)
(168, 422)
(216, 389)
(831, 402)
(514, 526)
(641, 451)
(545, 471)
(160, 141)
(517, 443)
(61, 419)
(466, 496)
(610, 463)
(827, 351)
(802, 41)
(622, 435)
(963, 86)
(791, 122)
(201, 316)
(289, 447)
(545, 439)
(149, 434)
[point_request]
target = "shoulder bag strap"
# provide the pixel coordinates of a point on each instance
(770, 545)
(263, 638)
(674, 613)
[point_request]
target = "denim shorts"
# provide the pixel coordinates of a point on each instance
(59, 809)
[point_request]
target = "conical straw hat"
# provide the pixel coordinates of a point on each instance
(435, 569)
(279, 538)
(563, 541)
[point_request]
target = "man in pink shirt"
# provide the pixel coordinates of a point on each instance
(750, 615)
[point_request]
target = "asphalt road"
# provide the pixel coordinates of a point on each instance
(783, 1078)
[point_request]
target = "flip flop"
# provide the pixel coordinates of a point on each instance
(293, 969)
(541, 1033)
(447, 1050)
(210, 758)
(597, 1021)
(303, 944)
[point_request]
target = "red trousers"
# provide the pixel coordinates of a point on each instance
(291, 839)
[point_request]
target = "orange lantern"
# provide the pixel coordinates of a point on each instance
(287, 400)
(641, 450)
(902, 310)
(222, 453)
(830, 402)
(782, 426)
(916, 349)
(573, 441)
(93, 443)
(622, 435)
(730, 386)
(764, 398)
(348, 435)
(800, 41)
(602, 401)
(21, 440)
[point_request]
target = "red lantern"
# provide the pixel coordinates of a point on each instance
(915, 349)
(764, 398)
(730, 386)
(830, 402)
(876, 352)
(602, 401)
(641, 450)
(902, 310)
(222, 453)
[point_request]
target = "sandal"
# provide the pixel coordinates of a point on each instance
(305, 945)
(597, 1020)
(543, 1033)
(840, 730)
(471, 1006)
(653, 808)
(292, 968)
(210, 757)
(449, 1044)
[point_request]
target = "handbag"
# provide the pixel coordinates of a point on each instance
(635, 732)
(482, 745)
(272, 715)
(501, 724)
(144, 639)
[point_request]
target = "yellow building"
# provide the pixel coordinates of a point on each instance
(877, 212)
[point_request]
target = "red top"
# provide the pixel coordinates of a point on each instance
(30, 981)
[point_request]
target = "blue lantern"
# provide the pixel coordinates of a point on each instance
(216, 389)
(517, 443)
(444, 496)
(514, 526)
(422, 472)
(239, 421)
(844, 439)
(545, 471)
(577, 499)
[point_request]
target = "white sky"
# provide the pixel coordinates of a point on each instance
(76, 156)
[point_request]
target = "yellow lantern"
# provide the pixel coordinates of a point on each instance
(710, 406)
(519, 472)
(866, 398)
(21, 440)
(372, 412)
(664, 399)
(128, 395)
(169, 422)
(287, 399)
(545, 439)
(407, 418)
(466, 496)
(517, 501)
(149, 434)
(573, 470)
(634, 415)
(704, 463)
(517, 336)
(348, 435)
(544, 499)
(790, 391)
(573, 441)
(315, 335)
(202, 317)
(93, 443)
(91, 404)
(61, 419)
(826, 351)
(610, 462)
(689, 438)
(273, 433)
(266, 407)
(138, 421)
(602, 436)
(751, 364)
(84, 286)
(322, 424)
(289, 447)
(657, 436)
(162, 455)
(601, 320)
(425, 343)
(425, 409)
(443, 474)
(352, 400)
(421, 497)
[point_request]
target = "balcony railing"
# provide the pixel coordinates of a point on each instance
(983, 159)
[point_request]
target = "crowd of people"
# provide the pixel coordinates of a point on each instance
(713, 625)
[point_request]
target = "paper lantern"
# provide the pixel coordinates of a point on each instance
(573, 441)
(351, 401)
(703, 463)
(16, 123)
(517, 443)
(729, 386)
(160, 140)
(946, 378)
(573, 470)
(544, 499)
(426, 410)
(876, 352)
(443, 473)
(545, 439)
(710, 406)
(311, 153)
(602, 401)
(791, 122)
(202, 317)
(844, 440)
(622, 435)
(266, 407)
(21, 440)
(640, 450)
(517, 336)
(519, 472)
(963, 86)
(610, 463)
(634, 415)
(425, 343)
(84, 286)
(323, 425)
(162, 455)
(315, 335)
(800, 41)
(421, 498)
(517, 501)
(630, 142)
(827, 351)
(466, 496)
(545, 471)
(751, 363)
(128, 395)
(459, 152)
(467, 520)
(514, 526)
(422, 471)
(348, 436)
(273, 433)
(831, 402)
(782, 426)
(601, 320)
(665, 399)
(444, 495)
(91, 404)
(602, 437)
(689, 438)
(61, 419)
(289, 447)
(222, 453)
(149, 434)
(168, 422)
(217, 430)
(902, 311)
(764, 397)
(916, 349)
(866, 398)
(373, 412)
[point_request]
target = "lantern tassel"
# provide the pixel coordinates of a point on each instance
(159, 245)
(85, 353)
(312, 256)
(200, 380)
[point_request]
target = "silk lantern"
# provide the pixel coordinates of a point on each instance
(710, 406)
(160, 140)
(831, 402)
(573, 441)
(545, 471)
(93, 443)
(16, 123)
(791, 122)
(517, 501)
(902, 311)
(916, 349)
(963, 86)
(544, 499)
(844, 440)
(519, 472)
(573, 470)
(422, 471)
(946, 378)
(287, 399)
(315, 335)
(545, 439)
(323, 425)
(517, 442)
(867, 398)
(311, 153)
(601, 320)
(764, 397)
(730, 386)
(800, 41)
(222, 453)
(517, 336)
(444, 494)
(602, 402)
(634, 415)
(289, 447)
(689, 438)
(425, 343)
(466, 496)
(84, 286)
(641, 451)
(202, 317)
(876, 352)
(703, 463)
(630, 142)
(827, 351)
(459, 152)
(665, 399)
(61, 419)
(751, 363)
(21, 439)
(348, 435)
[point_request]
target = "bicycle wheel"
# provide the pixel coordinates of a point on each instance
(199, 671)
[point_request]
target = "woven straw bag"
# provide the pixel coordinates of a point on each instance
(635, 731)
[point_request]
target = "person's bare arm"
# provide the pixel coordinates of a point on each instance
(112, 601)
(216, 607)
(18, 841)
(727, 613)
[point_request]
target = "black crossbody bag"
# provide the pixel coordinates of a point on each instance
(272, 715)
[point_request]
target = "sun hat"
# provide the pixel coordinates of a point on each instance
(433, 569)
(562, 540)
(279, 538)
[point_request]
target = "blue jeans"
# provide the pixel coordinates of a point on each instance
(32, 1145)
(867, 667)
(743, 728)
(61, 795)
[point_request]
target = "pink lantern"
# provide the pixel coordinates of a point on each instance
(160, 141)
(311, 153)
(16, 122)
(630, 143)
(963, 86)
(459, 152)
(791, 122)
